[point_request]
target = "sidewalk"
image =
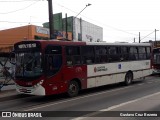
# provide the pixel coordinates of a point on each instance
(8, 89)
(7, 93)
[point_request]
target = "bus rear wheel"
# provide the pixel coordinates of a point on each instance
(73, 89)
(128, 78)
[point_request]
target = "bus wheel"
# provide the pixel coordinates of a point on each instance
(73, 89)
(128, 78)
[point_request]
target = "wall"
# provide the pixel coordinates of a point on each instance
(89, 31)
(10, 36)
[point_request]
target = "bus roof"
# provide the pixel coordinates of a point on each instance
(119, 44)
(60, 42)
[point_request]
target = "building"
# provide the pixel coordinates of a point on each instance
(30, 32)
(75, 29)
(70, 28)
(85, 31)
(156, 44)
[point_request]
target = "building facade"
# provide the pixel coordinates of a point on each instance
(30, 32)
(69, 28)
(85, 31)
(75, 29)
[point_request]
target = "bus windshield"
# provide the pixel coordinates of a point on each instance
(28, 64)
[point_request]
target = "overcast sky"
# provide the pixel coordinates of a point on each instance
(122, 20)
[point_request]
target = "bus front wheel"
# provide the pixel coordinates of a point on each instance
(73, 89)
(128, 78)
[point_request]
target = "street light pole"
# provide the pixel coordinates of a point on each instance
(84, 8)
(155, 38)
(155, 33)
(139, 37)
(81, 19)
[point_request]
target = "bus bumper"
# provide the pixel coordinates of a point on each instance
(38, 90)
(156, 71)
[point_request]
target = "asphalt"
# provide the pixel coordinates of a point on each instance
(8, 91)
(139, 107)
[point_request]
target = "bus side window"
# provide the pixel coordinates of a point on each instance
(133, 53)
(53, 59)
(113, 54)
(50, 66)
(73, 55)
(124, 55)
(87, 54)
(142, 53)
(148, 52)
(69, 61)
(101, 54)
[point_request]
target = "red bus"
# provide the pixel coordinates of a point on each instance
(47, 67)
(156, 61)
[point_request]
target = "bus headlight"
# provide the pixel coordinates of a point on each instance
(38, 84)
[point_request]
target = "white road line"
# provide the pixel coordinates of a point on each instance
(114, 107)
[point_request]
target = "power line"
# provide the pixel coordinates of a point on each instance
(20, 9)
(17, 22)
(20, 0)
(114, 28)
(10, 1)
(147, 35)
(105, 25)
(100, 22)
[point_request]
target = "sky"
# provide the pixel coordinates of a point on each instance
(121, 20)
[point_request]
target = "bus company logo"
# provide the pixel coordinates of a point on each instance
(100, 69)
(78, 69)
(29, 83)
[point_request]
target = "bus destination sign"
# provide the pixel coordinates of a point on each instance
(23, 46)
(30, 45)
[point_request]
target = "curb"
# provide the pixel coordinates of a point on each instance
(8, 94)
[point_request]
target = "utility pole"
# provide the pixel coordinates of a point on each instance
(134, 40)
(155, 35)
(155, 38)
(139, 37)
(66, 27)
(51, 21)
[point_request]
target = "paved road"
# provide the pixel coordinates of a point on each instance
(140, 96)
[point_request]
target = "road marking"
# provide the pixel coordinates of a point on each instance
(77, 98)
(114, 107)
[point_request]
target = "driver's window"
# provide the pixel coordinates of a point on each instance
(53, 59)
